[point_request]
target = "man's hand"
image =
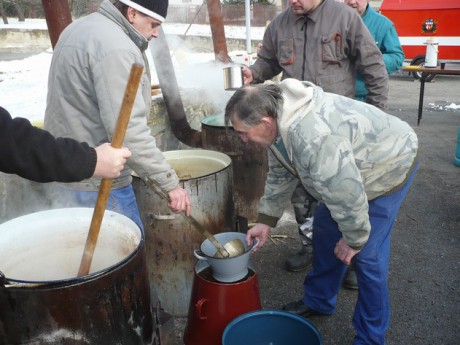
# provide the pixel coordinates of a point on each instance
(344, 252)
(179, 201)
(247, 75)
(259, 231)
(110, 161)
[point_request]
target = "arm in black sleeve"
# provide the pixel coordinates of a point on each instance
(35, 154)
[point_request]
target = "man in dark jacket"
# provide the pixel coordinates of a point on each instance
(35, 154)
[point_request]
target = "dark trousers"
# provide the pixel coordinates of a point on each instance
(304, 207)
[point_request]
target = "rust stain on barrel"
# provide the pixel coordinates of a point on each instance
(250, 167)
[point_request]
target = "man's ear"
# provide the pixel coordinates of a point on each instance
(130, 14)
(267, 121)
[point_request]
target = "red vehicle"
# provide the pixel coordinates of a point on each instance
(418, 20)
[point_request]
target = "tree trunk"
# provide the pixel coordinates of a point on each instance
(2, 11)
(19, 11)
(57, 14)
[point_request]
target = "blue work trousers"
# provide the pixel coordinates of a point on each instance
(120, 200)
(372, 312)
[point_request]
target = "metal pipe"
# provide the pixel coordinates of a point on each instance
(171, 94)
(57, 14)
(217, 31)
(247, 11)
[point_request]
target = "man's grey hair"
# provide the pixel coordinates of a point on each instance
(253, 102)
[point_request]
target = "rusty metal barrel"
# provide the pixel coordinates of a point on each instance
(250, 164)
(42, 301)
(170, 239)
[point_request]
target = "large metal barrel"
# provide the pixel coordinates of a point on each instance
(250, 164)
(42, 302)
(170, 239)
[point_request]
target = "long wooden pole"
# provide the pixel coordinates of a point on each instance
(104, 190)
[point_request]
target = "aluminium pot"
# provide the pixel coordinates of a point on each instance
(43, 302)
(227, 270)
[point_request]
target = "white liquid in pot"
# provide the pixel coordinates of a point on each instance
(49, 245)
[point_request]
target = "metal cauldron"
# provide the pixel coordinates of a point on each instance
(250, 164)
(43, 302)
(170, 239)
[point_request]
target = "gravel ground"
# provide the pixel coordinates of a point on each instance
(425, 260)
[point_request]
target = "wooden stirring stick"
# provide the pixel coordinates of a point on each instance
(106, 184)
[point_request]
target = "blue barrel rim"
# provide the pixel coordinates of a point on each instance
(265, 312)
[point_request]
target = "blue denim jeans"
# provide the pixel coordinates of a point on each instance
(372, 312)
(120, 200)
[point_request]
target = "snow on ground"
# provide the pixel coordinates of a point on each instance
(169, 28)
(23, 83)
(23, 86)
(13, 23)
(451, 106)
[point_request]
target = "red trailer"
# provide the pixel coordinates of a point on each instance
(418, 20)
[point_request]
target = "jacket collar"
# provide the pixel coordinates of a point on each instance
(367, 11)
(312, 15)
(300, 97)
(108, 10)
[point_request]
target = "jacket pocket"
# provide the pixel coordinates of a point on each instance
(336, 83)
(331, 48)
(286, 52)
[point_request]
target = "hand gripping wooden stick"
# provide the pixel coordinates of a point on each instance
(104, 190)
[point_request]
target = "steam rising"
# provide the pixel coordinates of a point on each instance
(193, 70)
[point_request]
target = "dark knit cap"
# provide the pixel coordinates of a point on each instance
(156, 9)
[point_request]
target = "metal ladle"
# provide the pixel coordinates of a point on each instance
(230, 249)
(233, 248)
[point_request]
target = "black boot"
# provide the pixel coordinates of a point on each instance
(303, 260)
(350, 281)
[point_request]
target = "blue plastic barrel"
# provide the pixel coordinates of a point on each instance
(270, 327)
(457, 149)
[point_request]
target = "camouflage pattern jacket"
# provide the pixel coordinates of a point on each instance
(344, 152)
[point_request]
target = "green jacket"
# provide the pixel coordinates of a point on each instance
(343, 151)
(386, 39)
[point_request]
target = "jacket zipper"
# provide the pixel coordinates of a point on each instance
(304, 29)
(289, 167)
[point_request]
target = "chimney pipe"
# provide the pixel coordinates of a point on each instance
(216, 22)
(171, 94)
(57, 14)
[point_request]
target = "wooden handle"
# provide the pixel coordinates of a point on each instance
(104, 190)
